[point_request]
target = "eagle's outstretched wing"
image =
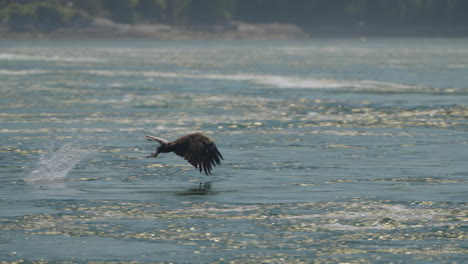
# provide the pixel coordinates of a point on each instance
(161, 141)
(199, 151)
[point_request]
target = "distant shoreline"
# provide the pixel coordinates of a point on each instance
(100, 28)
(104, 28)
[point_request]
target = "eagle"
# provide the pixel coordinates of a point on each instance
(196, 148)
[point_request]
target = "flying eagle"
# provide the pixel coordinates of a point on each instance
(195, 148)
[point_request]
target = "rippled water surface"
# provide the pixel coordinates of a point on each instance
(335, 151)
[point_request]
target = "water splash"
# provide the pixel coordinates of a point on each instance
(54, 165)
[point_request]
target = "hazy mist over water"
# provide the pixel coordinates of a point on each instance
(335, 151)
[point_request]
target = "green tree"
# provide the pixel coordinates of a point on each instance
(212, 11)
(152, 10)
(20, 17)
(92, 7)
(122, 11)
(48, 17)
(178, 11)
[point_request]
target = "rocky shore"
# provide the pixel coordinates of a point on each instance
(99, 27)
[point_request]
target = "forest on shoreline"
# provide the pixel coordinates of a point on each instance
(316, 17)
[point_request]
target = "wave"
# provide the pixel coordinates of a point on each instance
(53, 58)
(278, 81)
(22, 72)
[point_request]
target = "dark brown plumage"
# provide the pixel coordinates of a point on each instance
(195, 148)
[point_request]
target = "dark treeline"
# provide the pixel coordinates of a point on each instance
(311, 15)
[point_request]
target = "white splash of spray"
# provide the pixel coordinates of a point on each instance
(54, 165)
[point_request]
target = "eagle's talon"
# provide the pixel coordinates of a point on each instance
(153, 155)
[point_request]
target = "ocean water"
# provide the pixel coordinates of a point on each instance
(336, 151)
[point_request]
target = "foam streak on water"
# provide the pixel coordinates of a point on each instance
(279, 81)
